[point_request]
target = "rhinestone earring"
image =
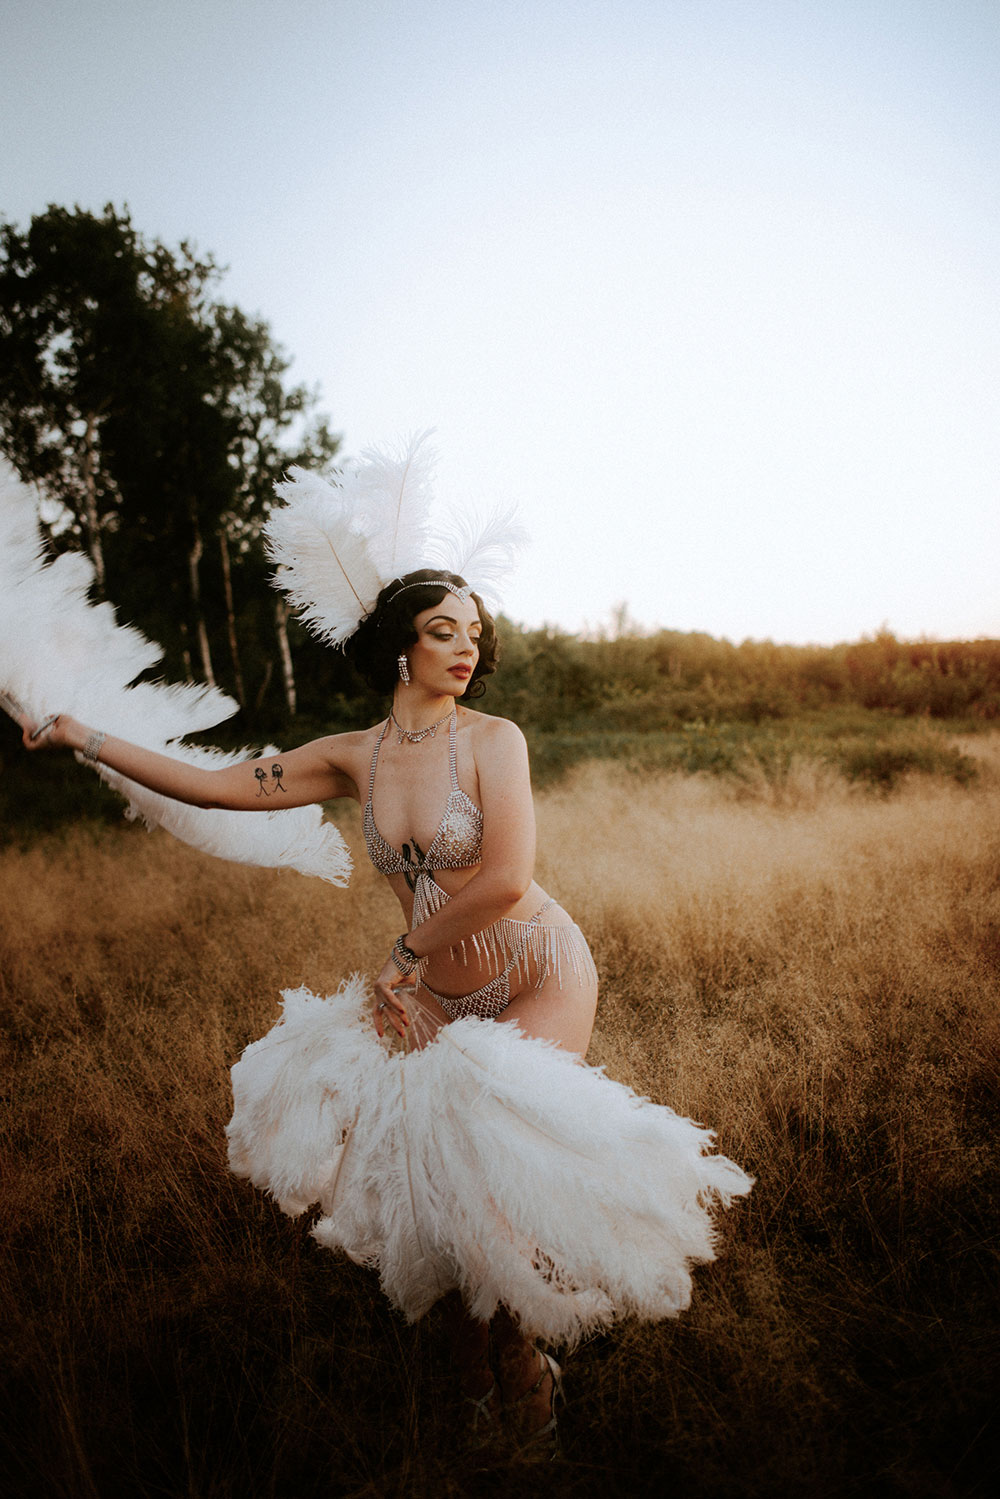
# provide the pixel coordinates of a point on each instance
(404, 669)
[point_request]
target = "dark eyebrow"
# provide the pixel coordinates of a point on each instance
(451, 620)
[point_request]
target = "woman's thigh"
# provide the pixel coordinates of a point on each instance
(559, 1010)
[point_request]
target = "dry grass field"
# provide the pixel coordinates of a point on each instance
(810, 968)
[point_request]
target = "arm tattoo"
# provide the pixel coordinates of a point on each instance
(276, 773)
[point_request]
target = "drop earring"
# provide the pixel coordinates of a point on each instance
(404, 669)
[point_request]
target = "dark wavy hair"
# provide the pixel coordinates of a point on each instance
(383, 635)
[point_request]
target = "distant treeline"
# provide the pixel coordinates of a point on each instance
(634, 681)
(552, 681)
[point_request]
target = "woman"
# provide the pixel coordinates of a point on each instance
(483, 1165)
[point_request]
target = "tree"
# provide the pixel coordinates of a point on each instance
(77, 296)
(154, 420)
(259, 410)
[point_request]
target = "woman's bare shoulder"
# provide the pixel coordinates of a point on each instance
(492, 735)
(348, 746)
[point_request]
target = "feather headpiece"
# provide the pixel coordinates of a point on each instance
(337, 544)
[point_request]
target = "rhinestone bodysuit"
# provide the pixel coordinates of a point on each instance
(458, 844)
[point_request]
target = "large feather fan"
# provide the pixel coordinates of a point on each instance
(61, 653)
(489, 1160)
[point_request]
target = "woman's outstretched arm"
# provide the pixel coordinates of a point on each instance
(305, 775)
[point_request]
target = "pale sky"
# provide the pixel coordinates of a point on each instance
(711, 288)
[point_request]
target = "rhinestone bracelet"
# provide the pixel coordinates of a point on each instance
(93, 746)
(404, 958)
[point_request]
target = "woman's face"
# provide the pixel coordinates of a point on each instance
(446, 650)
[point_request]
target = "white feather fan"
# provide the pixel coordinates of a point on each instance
(488, 1160)
(61, 653)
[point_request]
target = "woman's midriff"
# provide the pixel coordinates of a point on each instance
(460, 970)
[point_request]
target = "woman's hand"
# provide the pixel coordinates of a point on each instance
(388, 1003)
(51, 732)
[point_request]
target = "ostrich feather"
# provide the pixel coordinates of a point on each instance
(483, 552)
(337, 545)
(322, 553)
(394, 489)
(294, 839)
(488, 1160)
(60, 652)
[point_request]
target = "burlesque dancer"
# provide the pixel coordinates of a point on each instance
(481, 1162)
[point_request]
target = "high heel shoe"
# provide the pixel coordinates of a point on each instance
(483, 1426)
(541, 1446)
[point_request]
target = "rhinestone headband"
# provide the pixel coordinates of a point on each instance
(460, 593)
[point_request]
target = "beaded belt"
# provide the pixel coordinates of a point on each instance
(493, 998)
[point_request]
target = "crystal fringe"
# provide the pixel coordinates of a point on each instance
(541, 949)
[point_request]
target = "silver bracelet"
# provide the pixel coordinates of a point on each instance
(93, 746)
(404, 958)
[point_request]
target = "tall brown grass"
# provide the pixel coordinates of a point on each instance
(809, 968)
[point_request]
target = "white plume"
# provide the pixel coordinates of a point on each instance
(337, 545)
(323, 557)
(395, 492)
(483, 551)
(487, 1160)
(61, 653)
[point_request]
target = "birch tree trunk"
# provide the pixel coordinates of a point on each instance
(90, 501)
(234, 647)
(287, 670)
(201, 633)
(185, 651)
(265, 684)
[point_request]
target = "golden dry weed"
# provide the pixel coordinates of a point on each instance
(809, 969)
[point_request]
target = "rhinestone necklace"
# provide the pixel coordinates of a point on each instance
(414, 736)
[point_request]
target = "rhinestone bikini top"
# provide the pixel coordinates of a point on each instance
(458, 842)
